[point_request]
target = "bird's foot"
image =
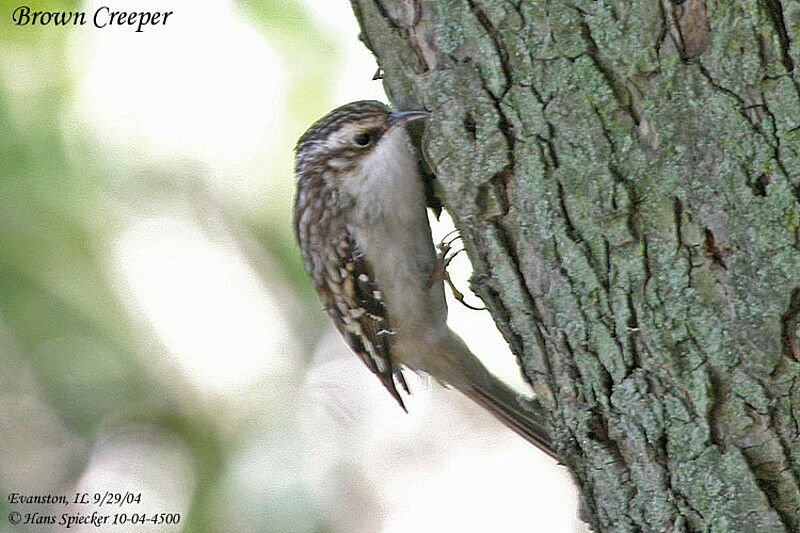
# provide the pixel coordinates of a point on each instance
(446, 255)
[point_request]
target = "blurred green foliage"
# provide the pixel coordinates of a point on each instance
(309, 57)
(56, 300)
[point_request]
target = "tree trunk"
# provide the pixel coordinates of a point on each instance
(626, 178)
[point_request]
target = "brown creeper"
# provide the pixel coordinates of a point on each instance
(362, 228)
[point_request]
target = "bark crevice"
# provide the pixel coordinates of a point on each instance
(623, 174)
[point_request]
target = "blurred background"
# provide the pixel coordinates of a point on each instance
(157, 332)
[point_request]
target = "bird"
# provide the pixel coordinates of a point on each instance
(361, 225)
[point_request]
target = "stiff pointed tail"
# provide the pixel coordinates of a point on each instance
(506, 405)
(455, 365)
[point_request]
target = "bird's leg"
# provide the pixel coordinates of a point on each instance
(440, 273)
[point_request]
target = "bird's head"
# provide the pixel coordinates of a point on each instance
(348, 135)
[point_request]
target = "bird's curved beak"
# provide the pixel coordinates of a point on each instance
(402, 117)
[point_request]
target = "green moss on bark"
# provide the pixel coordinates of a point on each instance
(626, 177)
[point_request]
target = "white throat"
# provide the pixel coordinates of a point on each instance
(390, 179)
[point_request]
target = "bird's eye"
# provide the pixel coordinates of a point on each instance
(362, 139)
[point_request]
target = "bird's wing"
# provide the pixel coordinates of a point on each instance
(355, 303)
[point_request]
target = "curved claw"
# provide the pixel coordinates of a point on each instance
(440, 270)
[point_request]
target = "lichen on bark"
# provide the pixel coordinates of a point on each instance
(626, 178)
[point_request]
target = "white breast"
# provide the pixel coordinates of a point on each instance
(393, 232)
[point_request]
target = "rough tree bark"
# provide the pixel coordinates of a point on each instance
(626, 178)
